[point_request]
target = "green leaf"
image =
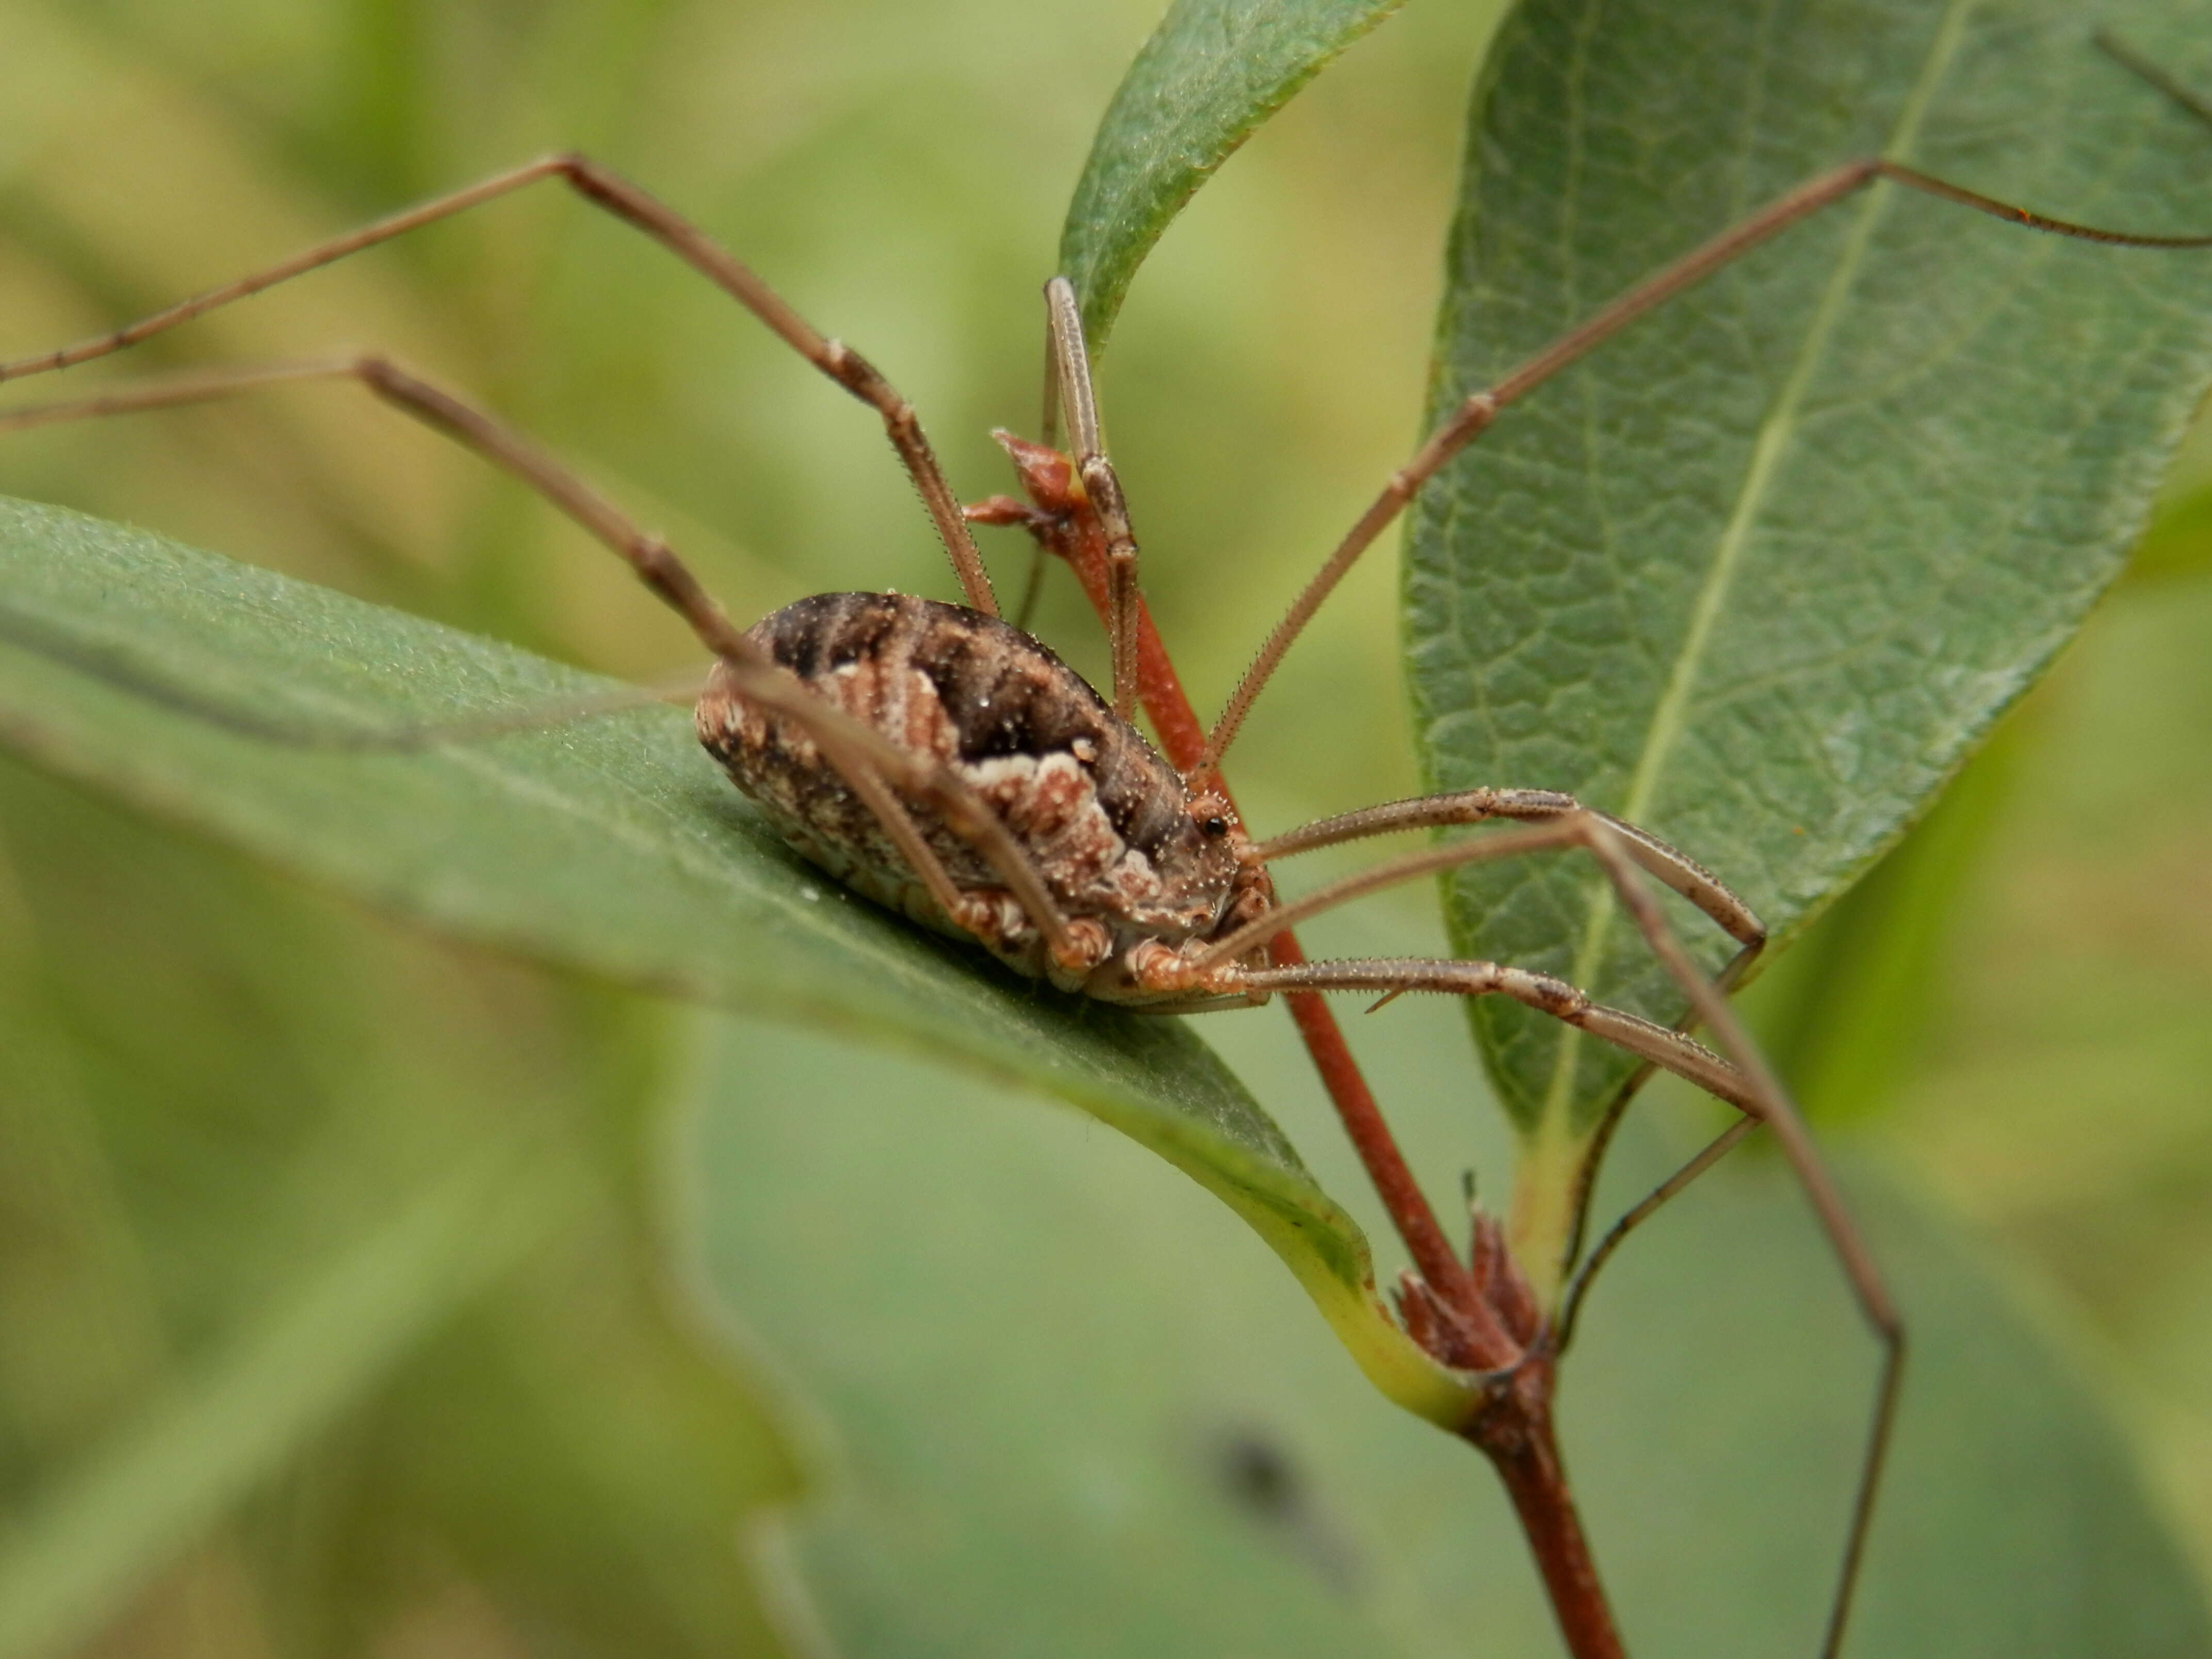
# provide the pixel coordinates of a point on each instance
(1212, 72)
(1172, 1458)
(1762, 571)
(1168, 1468)
(207, 692)
(169, 1476)
(2178, 544)
(1845, 1014)
(329, 1255)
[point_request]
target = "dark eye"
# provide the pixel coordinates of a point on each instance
(1215, 826)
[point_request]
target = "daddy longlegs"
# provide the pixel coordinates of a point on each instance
(949, 765)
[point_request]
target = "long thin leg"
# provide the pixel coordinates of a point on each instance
(1774, 1108)
(1673, 1050)
(1617, 1109)
(1071, 368)
(1684, 1056)
(1552, 830)
(604, 188)
(1446, 856)
(1676, 869)
(2128, 58)
(1670, 1049)
(1481, 408)
(1743, 1080)
(870, 762)
(1570, 1305)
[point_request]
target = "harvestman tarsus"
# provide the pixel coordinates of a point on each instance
(945, 763)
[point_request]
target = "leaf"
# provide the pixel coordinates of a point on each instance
(1167, 1460)
(207, 692)
(334, 1305)
(1844, 1016)
(1182, 1469)
(1212, 72)
(1762, 571)
(2178, 544)
(169, 1476)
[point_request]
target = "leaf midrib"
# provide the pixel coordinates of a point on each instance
(1669, 716)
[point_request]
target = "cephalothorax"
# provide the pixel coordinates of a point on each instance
(950, 767)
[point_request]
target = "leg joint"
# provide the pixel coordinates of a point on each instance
(859, 377)
(1555, 997)
(592, 181)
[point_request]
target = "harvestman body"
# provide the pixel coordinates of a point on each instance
(1163, 898)
(1156, 896)
(1129, 855)
(950, 767)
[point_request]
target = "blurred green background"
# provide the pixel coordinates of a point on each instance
(210, 1079)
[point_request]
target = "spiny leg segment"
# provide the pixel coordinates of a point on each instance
(1575, 829)
(1676, 869)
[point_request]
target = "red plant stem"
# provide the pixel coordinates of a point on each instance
(1370, 1132)
(1516, 1436)
(1514, 1429)
(1183, 737)
(1160, 689)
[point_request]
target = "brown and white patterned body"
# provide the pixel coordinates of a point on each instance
(1138, 864)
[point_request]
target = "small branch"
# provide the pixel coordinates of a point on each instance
(1063, 523)
(1371, 1137)
(1516, 1434)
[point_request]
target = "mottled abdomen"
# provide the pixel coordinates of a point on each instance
(1107, 821)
